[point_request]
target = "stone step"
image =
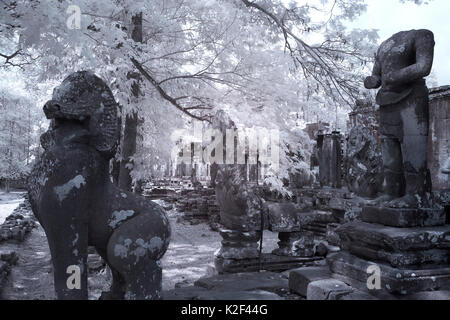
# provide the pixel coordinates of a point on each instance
(327, 289)
(393, 280)
(392, 239)
(268, 262)
(404, 218)
(400, 259)
(299, 279)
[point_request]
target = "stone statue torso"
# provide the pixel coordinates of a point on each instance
(398, 51)
(394, 56)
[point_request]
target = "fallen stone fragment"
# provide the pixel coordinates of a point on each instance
(327, 289)
(299, 279)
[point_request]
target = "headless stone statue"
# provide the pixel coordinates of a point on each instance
(401, 64)
(75, 201)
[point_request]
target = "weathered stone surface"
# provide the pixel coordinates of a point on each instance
(269, 262)
(394, 239)
(393, 280)
(238, 245)
(217, 293)
(295, 244)
(284, 217)
(196, 204)
(332, 237)
(290, 217)
(321, 249)
(404, 218)
(299, 279)
(318, 216)
(95, 262)
(439, 136)
(244, 281)
(400, 259)
(17, 225)
(327, 289)
(399, 70)
(433, 296)
(184, 293)
(357, 296)
(258, 295)
(10, 257)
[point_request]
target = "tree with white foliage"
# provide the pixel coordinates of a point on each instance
(260, 60)
(19, 135)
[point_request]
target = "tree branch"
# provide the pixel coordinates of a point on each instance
(166, 96)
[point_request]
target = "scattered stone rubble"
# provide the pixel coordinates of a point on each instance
(197, 205)
(18, 224)
(15, 228)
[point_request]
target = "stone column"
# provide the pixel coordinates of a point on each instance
(240, 209)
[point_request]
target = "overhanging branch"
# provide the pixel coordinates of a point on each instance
(166, 96)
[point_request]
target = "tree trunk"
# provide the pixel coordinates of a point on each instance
(7, 185)
(128, 150)
(131, 120)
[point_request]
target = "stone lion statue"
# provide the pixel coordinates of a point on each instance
(78, 206)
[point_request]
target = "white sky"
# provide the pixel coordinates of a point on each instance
(391, 16)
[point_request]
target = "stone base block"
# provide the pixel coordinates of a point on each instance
(404, 218)
(299, 279)
(327, 289)
(393, 280)
(268, 262)
(400, 259)
(238, 244)
(392, 239)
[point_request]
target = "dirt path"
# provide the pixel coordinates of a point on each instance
(32, 277)
(191, 253)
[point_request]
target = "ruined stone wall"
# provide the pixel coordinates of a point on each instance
(439, 136)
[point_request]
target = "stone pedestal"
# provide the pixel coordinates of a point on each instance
(238, 245)
(410, 246)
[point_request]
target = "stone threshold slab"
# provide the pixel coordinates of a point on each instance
(400, 259)
(393, 280)
(269, 262)
(404, 218)
(394, 239)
